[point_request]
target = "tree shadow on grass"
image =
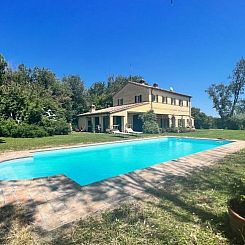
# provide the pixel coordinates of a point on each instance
(15, 222)
(2, 141)
(198, 195)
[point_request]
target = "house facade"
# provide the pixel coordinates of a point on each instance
(172, 109)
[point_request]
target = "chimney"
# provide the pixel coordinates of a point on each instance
(92, 108)
(155, 85)
(142, 81)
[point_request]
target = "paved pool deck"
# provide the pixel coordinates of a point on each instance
(57, 200)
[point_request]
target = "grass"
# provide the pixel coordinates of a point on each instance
(15, 227)
(216, 133)
(185, 210)
(14, 144)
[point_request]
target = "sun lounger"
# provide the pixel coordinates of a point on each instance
(118, 132)
(131, 131)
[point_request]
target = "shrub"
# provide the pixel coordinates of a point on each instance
(179, 130)
(172, 130)
(201, 119)
(235, 122)
(218, 122)
(6, 127)
(186, 130)
(61, 127)
(55, 127)
(24, 130)
(150, 125)
(10, 128)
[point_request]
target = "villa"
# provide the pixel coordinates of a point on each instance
(172, 109)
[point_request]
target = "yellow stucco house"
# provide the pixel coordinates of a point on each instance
(172, 109)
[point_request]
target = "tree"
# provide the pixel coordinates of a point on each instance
(237, 84)
(221, 96)
(201, 119)
(3, 66)
(226, 98)
(78, 95)
(12, 101)
(98, 95)
(44, 77)
(241, 107)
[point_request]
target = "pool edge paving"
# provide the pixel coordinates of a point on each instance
(57, 200)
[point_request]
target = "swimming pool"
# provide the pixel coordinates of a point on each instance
(86, 165)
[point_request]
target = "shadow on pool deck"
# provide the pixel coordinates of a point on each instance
(65, 201)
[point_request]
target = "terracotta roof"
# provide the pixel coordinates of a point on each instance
(114, 109)
(152, 87)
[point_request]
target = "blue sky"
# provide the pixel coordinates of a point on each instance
(187, 45)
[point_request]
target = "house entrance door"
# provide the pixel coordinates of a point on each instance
(137, 123)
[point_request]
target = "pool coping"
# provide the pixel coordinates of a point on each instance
(65, 201)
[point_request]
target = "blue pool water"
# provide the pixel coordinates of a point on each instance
(90, 164)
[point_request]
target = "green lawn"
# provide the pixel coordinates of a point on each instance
(10, 144)
(216, 133)
(74, 138)
(185, 210)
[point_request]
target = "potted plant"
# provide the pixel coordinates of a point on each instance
(236, 210)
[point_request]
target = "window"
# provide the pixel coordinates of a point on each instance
(180, 102)
(154, 98)
(173, 101)
(181, 122)
(164, 100)
(120, 102)
(138, 99)
(187, 103)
